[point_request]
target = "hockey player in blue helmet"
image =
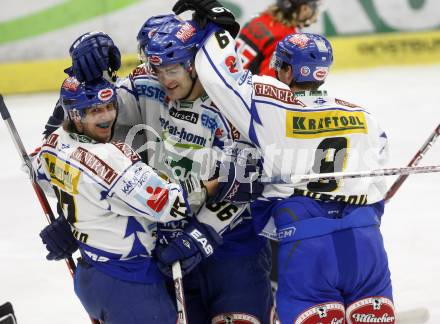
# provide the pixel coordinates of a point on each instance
(332, 264)
(191, 125)
(302, 61)
(117, 280)
(170, 53)
(91, 107)
(149, 28)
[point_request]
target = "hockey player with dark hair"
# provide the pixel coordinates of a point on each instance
(109, 203)
(258, 38)
(332, 264)
(233, 283)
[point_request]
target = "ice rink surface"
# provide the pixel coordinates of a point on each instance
(406, 101)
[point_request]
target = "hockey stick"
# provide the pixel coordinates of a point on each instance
(414, 161)
(180, 297)
(358, 174)
(27, 161)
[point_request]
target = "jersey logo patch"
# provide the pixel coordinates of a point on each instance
(95, 165)
(127, 151)
(52, 140)
(158, 199)
(62, 175)
(309, 124)
(186, 32)
(269, 91)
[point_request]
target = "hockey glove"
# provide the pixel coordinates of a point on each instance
(195, 242)
(92, 53)
(59, 239)
(195, 192)
(211, 10)
(238, 182)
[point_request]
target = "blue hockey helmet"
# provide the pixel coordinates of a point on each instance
(151, 25)
(310, 56)
(76, 97)
(174, 42)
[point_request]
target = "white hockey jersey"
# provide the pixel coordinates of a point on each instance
(181, 137)
(296, 133)
(111, 198)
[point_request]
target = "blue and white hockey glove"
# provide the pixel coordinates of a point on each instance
(59, 240)
(211, 10)
(92, 53)
(195, 242)
(238, 181)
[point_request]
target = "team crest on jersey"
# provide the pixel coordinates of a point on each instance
(315, 124)
(71, 84)
(269, 91)
(299, 40)
(105, 94)
(186, 32)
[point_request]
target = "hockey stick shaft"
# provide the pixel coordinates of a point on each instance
(414, 162)
(359, 174)
(27, 161)
(180, 296)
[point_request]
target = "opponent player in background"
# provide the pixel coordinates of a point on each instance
(332, 262)
(232, 283)
(109, 203)
(258, 38)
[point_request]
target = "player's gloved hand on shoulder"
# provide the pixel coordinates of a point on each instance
(195, 242)
(211, 10)
(92, 53)
(59, 240)
(238, 182)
